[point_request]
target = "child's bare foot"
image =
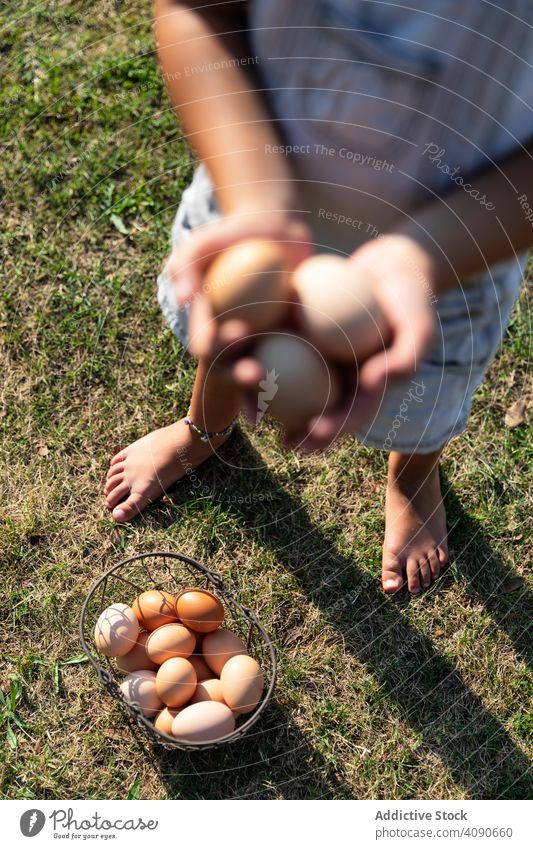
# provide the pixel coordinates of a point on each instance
(144, 470)
(415, 546)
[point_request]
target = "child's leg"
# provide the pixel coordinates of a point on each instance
(437, 400)
(144, 470)
(415, 545)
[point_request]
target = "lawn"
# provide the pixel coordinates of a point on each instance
(376, 697)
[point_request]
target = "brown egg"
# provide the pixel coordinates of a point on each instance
(175, 681)
(242, 683)
(208, 691)
(140, 688)
(137, 657)
(200, 667)
(203, 722)
(165, 718)
(249, 282)
(170, 641)
(298, 384)
(219, 646)
(199, 610)
(154, 608)
(338, 310)
(116, 631)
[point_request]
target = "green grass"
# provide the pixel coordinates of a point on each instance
(376, 698)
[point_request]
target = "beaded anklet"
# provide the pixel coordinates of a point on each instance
(204, 435)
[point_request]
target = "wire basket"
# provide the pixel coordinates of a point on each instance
(172, 572)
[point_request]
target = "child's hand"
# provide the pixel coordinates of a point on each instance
(403, 281)
(188, 265)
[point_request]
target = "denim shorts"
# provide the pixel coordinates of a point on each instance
(426, 410)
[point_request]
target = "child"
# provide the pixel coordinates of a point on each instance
(324, 125)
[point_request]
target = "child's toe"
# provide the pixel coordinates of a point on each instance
(112, 483)
(413, 575)
(118, 494)
(392, 574)
(442, 555)
(425, 572)
(115, 469)
(130, 508)
(434, 564)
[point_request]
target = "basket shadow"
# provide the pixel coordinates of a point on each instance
(489, 578)
(274, 761)
(426, 687)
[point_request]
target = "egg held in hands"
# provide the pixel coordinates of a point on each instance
(249, 282)
(298, 383)
(338, 310)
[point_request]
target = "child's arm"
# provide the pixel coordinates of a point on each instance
(209, 75)
(488, 219)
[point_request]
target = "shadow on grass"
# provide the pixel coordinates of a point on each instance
(489, 580)
(273, 761)
(426, 686)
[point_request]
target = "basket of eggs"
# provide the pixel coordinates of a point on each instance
(189, 663)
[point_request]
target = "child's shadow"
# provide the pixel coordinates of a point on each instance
(489, 580)
(429, 691)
